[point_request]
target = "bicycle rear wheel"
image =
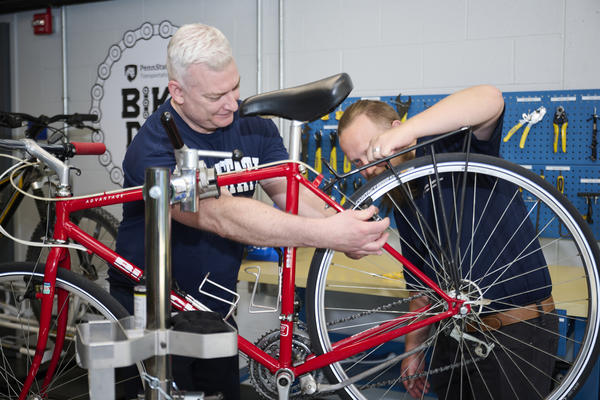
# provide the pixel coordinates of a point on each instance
(98, 223)
(465, 356)
(19, 284)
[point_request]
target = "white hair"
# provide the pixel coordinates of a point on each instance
(197, 44)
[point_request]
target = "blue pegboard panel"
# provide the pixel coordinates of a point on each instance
(576, 167)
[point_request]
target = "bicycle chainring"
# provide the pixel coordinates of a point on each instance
(263, 380)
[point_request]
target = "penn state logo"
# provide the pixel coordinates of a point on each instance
(130, 72)
(124, 99)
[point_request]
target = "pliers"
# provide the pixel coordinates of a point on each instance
(402, 106)
(531, 119)
(560, 123)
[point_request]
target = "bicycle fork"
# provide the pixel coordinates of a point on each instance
(58, 257)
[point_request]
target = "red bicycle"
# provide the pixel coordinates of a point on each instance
(357, 311)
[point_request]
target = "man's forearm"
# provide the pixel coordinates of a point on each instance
(253, 222)
(478, 107)
(246, 221)
(418, 336)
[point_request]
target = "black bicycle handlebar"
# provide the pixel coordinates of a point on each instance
(17, 120)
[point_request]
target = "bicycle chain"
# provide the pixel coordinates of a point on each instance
(404, 378)
(378, 309)
(421, 374)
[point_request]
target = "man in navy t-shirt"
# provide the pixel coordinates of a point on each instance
(204, 96)
(507, 273)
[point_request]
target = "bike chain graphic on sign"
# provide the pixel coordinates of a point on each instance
(131, 83)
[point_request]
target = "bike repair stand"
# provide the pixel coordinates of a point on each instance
(103, 346)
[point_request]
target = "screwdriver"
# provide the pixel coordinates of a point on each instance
(318, 164)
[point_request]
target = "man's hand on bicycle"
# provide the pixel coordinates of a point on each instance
(355, 234)
(411, 365)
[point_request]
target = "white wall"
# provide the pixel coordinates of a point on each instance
(430, 47)
(387, 46)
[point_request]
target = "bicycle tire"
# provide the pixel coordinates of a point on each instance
(381, 286)
(19, 282)
(98, 223)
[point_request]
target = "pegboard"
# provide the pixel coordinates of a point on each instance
(580, 173)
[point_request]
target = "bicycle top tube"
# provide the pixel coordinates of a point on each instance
(300, 103)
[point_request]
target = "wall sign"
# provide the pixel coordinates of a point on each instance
(131, 84)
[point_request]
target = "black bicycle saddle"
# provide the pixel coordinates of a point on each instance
(301, 103)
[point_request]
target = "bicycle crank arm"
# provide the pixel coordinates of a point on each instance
(284, 383)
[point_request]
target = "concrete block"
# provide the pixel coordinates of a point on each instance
(360, 24)
(182, 12)
(323, 25)
(582, 57)
(421, 22)
(384, 68)
(247, 68)
(468, 63)
(491, 19)
(538, 59)
(301, 68)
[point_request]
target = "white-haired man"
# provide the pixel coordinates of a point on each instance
(204, 86)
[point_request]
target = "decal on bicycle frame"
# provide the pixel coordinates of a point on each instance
(228, 165)
(46, 288)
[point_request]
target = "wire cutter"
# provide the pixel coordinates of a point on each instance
(560, 123)
(530, 119)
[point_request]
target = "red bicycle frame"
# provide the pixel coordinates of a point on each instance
(65, 229)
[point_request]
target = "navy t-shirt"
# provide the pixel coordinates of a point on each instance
(496, 260)
(194, 252)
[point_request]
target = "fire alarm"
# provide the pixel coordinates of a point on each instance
(42, 23)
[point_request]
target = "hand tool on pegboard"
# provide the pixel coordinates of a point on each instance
(402, 106)
(318, 144)
(589, 197)
(343, 187)
(594, 118)
(333, 151)
(530, 119)
(560, 185)
(304, 151)
(560, 123)
(347, 165)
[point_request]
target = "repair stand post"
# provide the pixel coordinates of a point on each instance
(158, 272)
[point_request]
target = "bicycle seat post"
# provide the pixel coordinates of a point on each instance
(295, 140)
